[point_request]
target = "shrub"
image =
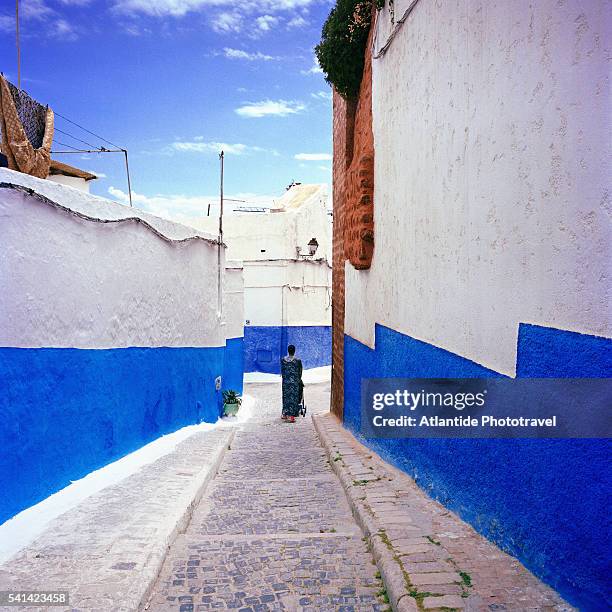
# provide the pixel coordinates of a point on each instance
(231, 397)
(342, 48)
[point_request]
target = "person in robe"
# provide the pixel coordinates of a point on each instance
(291, 371)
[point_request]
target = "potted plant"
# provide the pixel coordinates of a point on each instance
(231, 402)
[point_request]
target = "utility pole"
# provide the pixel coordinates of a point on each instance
(127, 171)
(220, 240)
(221, 157)
(18, 45)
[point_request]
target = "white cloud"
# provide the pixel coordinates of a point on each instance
(34, 9)
(266, 22)
(181, 207)
(315, 69)
(313, 156)
(197, 145)
(322, 95)
(297, 22)
(178, 8)
(225, 23)
(7, 23)
(245, 55)
(266, 108)
(53, 26)
(62, 30)
(161, 8)
(253, 17)
(134, 29)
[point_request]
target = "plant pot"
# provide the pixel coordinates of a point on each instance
(231, 409)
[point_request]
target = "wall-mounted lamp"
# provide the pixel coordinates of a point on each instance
(313, 245)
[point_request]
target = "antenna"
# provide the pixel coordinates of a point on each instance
(18, 45)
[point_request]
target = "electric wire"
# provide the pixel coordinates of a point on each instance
(68, 146)
(88, 131)
(75, 138)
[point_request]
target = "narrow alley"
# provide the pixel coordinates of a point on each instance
(273, 530)
(303, 517)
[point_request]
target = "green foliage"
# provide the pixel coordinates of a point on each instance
(231, 397)
(342, 48)
(467, 579)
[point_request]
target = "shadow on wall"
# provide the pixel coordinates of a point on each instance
(265, 346)
(543, 501)
(66, 412)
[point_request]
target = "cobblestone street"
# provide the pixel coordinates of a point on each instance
(274, 530)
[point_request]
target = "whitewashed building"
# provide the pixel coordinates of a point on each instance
(105, 342)
(487, 126)
(287, 290)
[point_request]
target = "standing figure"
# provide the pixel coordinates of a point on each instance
(291, 371)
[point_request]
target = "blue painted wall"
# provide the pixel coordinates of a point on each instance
(233, 365)
(264, 346)
(544, 501)
(65, 412)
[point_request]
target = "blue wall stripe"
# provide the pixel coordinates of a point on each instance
(233, 365)
(546, 352)
(544, 501)
(265, 345)
(66, 412)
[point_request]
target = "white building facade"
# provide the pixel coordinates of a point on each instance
(105, 342)
(492, 255)
(287, 291)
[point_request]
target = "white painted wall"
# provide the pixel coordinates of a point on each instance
(287, 293)
(491, 124)
(70, 181)
(280, 289)
(70, 281)
(233, 300)
(300, 214)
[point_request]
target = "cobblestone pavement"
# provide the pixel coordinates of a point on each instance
(107, 550)
(274, 530)
(429, 558)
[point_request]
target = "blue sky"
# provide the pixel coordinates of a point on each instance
(173, 81)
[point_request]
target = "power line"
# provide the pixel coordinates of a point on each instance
(75, 138)
(88, 131)
(74, 150)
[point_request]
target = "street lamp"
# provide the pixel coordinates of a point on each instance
(313, 245)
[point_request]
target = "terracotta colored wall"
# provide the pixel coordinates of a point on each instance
(359, 186)
(343, 122)
(353, 185)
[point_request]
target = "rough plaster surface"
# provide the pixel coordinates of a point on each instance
(74, 282)
(492, 177)
(287, 292)
(108, 550)
(265, 346)
(233, 301)
(95, 206)
(544, 501)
